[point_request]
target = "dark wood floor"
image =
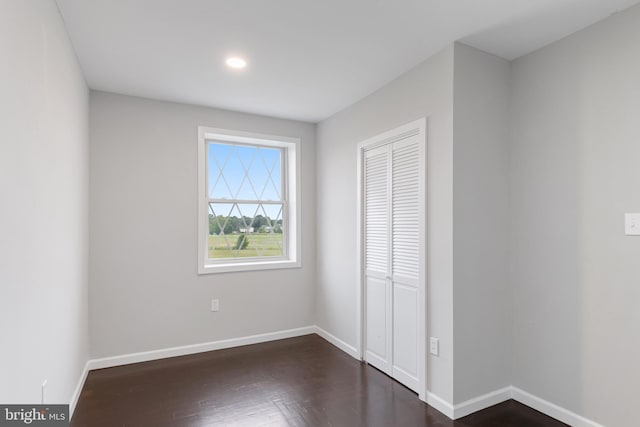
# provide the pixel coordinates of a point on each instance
(302, 381)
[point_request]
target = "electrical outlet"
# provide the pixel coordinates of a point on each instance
(43, 392)
(434, 346)
(215, 305)
(632, 224)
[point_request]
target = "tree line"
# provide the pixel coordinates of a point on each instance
(232, 224)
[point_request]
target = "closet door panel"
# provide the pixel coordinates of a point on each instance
(377, 259)
(377, 320)
(405, 258)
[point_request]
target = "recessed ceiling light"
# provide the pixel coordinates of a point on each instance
(236, 62)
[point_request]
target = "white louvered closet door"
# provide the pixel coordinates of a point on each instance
(392, 220)
(405, 258)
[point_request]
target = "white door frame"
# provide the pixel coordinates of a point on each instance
(418, 127)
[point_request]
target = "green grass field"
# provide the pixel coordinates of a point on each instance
(260, 244)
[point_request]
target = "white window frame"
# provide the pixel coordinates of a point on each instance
(291, 212)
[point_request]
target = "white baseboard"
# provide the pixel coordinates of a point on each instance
(78, 390)
(481, 402)
(347, 348)
(551, 409)
(126, 359)
(440, 404)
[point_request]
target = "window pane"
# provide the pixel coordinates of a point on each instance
(220, 157)
(271, 230)
(241, 230)
(268, 175)
(244, 172)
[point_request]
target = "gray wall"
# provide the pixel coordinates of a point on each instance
(481, 295)
(425, 91)
(145, 292)
(575, 146)
(44, 206)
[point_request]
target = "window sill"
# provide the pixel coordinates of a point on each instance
(247, 266)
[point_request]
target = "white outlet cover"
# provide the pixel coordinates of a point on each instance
(215, 305)
(433, 346)
(632, 224)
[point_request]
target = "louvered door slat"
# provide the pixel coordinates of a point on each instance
(405, 209)
(376, 210)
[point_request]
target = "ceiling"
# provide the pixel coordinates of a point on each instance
(307, 59)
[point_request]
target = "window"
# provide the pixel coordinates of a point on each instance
(248, 201)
